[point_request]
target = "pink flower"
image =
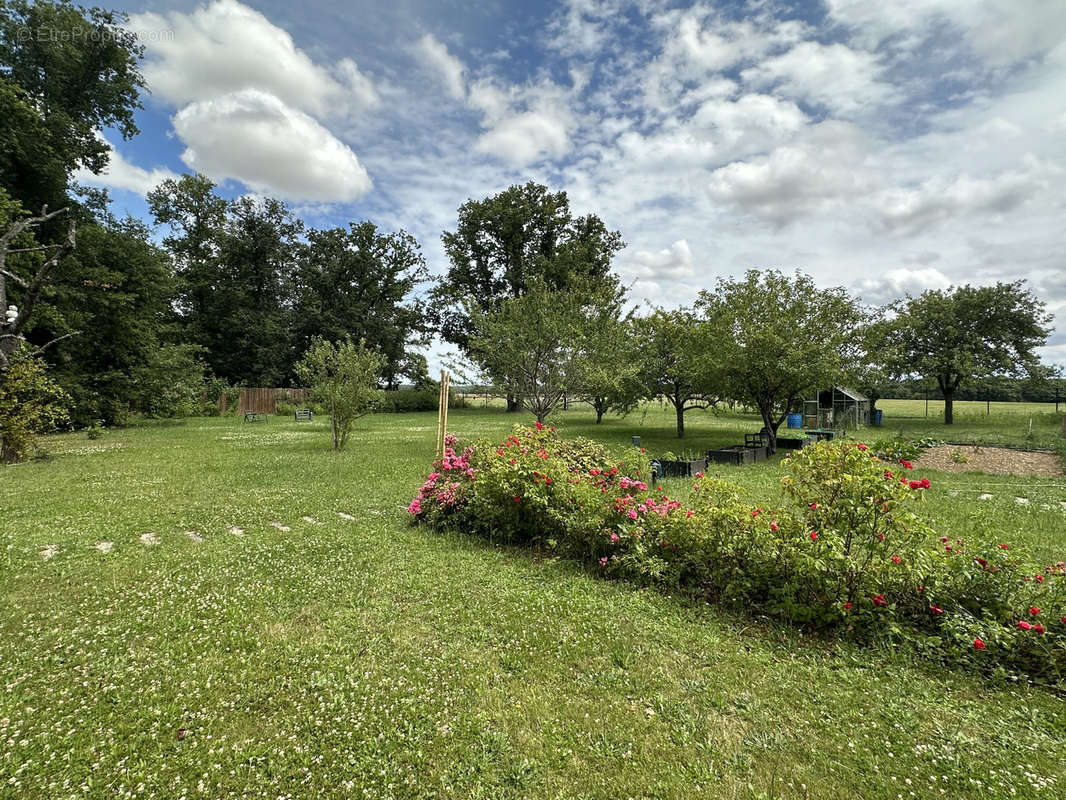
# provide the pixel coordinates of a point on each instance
(415, 508)
(1039, 578)
(895, 559)
(861, 446)
(936, 609)
(603, 561)
(632, 513)
(615, 538)
(689, 513)
(1023, 625)
(773, 525)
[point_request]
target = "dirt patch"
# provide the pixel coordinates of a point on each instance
(994, 460)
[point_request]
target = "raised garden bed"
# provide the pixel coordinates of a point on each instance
(738, 454)
(792, 442)
(678, 469)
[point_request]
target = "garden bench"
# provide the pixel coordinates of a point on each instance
(252, 416)
(304, 413)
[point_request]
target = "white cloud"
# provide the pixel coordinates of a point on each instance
(526, 138)
(796, 180)
(253, 137)
(939, 199)
(227, 46)
(999, 31)
(121, 174)
(670, 264)
(896, 283)
(833, 76)
(439, 62)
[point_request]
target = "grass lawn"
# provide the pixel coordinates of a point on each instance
(265, 623)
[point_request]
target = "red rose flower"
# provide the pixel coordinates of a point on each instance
(936, 609)
(895, 559)
(1038, 628)
(1024, 626)
(847, 606)
(879, 600)
(1034, 610)
(1004, 547)
(814, 536)
(978, 644)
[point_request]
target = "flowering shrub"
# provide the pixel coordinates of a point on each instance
(850, 552)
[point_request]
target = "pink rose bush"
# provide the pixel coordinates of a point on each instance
(849, 551)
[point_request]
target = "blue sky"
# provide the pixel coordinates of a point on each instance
(887, 147)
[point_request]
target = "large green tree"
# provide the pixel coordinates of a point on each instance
(674, 362)
(128, 355)
(967, 333)
(504, 242)
(66, 72)
(358, 282)
(540, 347)
(778, 338)
(235, 262)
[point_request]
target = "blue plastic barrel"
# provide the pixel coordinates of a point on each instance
(795, 420)
(877, 417)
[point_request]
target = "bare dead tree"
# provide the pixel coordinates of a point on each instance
(11, 331)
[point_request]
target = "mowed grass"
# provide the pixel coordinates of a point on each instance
(212, 654)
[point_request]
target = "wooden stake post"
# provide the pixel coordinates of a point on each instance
(442, 411)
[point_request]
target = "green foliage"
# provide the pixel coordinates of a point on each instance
(965, 334)
(343, 379)
(30, 404)
(541, 346)
(673, 347)
(66, 72)
(505, 242)
(850, 553)
(400, 401)
(116, 293)
(357, 283)
(902, 448)
(777, 339)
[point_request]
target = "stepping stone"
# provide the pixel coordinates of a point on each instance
(149, 538)
(195, 537)
(953, 493)
(235, 530)
(280, 527)
(342, 515)
(1022, 501)
(104, 547)
(311, 520)
(1062, 503)
(50, 552)
(985, 496)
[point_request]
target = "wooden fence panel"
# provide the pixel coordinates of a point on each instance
(264, 400)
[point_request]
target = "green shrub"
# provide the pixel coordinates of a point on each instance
(426, 398)
(30, 404)
(851, 553)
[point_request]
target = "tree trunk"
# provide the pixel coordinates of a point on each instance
(599, 415)
(949, 410)
(680, 408)
(771, 430)
(512, 404)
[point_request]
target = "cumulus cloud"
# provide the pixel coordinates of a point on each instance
(121, 174)
(999, 31)
(896, 283)
(448, 69)
(833, 76)
(254, 137)
(796, 180)
(940, 199)
(227, 46)
(526, 138)
(669, 264)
